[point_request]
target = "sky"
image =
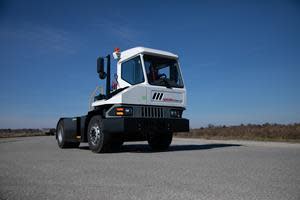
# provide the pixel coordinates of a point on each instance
(240, 59)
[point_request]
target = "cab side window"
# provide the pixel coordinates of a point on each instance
(132, 72)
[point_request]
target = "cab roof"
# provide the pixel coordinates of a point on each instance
(141, 50)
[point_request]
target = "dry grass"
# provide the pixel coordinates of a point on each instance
(9, 133)
(265, 132)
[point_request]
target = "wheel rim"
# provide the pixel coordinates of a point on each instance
(95, 134)
(59, 136)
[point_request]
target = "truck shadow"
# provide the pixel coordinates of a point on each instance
(144, 148)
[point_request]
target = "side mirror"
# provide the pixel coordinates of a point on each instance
(100, 68)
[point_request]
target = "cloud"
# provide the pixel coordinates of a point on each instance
(42, 38)
(121, 30)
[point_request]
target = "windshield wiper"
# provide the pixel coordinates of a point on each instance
(167, 84)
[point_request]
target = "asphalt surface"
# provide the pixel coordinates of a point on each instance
(35, 168)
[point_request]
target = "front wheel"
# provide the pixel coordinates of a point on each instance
(99, 141)
(160, 141)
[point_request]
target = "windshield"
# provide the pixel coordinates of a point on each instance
(163, 71)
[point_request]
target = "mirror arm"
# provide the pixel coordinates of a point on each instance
(108, 76)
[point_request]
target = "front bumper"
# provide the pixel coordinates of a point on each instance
(142, 125)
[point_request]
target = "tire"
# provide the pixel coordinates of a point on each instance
(61, 139)
(99, 141)
(160, 141)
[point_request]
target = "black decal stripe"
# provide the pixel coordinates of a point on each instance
(161, 95)
(158, 94)
(154, 95)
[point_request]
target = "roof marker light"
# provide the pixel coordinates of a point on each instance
(117, 53)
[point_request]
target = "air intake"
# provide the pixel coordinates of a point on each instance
(152, 112)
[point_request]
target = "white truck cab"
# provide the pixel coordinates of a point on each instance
(146, 103)
(152, 77)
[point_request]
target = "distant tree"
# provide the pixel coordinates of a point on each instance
(211, 126)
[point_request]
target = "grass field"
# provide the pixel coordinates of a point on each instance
(265, 132)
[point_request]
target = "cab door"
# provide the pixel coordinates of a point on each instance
(131, 75)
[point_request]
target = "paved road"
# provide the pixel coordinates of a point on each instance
(35, 168)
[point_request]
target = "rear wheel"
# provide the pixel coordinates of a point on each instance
(61, 137)
(160, 141)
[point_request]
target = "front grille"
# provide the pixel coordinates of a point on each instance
(152, 112)
(143, 111)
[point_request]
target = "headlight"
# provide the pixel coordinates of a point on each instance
(176, 113)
